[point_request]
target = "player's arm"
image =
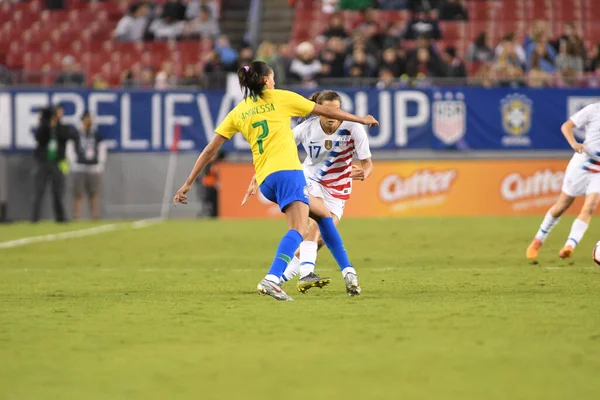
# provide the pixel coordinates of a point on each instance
(364, 171)
(567, 131)
(342, 115)
(209, 152)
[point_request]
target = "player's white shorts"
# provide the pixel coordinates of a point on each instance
(578, 181)
(336, 206)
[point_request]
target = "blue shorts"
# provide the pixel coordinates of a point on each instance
(285, 187)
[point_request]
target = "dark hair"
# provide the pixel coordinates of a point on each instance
(451, 51)
(252, 78)
(46, 115)
(325, 95)
(85, 115)
(481, 39)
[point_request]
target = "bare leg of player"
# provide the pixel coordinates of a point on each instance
(550, 220)
(580, 225)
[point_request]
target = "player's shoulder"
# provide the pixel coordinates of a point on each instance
(307, 125)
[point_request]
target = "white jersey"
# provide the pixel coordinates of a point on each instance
(588, 118)
(329, 157)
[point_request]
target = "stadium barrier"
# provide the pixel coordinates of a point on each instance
(425, 188)
(459, 118)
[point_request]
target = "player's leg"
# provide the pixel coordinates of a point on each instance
(308, 257)
(580, 224)
(550, 220)
(287, 189)
(293, 267)
(333, 241)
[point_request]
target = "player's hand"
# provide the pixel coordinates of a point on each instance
(370, 120)
(357, 174)
(181, 195)
(252, 189)
(578, 148)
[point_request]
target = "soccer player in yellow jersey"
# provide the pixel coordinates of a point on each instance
(263, 118)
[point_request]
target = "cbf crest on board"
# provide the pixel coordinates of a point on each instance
(449, 117)
(516, 119)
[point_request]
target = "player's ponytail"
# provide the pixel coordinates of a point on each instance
(252, 78)
(325, 95)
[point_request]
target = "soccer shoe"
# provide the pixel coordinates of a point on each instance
(311, 280)
(532, 250)
(268, 288)
(566, 252)
(352, 286)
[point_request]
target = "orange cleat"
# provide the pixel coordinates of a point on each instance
(532, 250)
(566, 252)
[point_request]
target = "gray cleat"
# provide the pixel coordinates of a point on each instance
(311, 280)
(268, 288)
(352, 286)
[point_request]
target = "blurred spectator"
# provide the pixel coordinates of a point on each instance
(130, 77)
(51, 138)
(166, 28)
(423, 24)
(453, 10)
(227, 55)
(191, 76)
(593, 60)
(165, 78)
(70, 74)
(394, 34)
(386, 80)
(335, 28)
(192, 10)
(132, 27)
(393, 4)
(393, 63)
(174, 9)
(423, 64)
(203, 26)
(537, 78)
(305, 67)
(358, 5)
(594, 78)
(359, 41)
(373, 35)
(267, 52)
(209, 190)
(421, 5)
(510, 50)
(508, 75)
(479, 51)
(146, 78)
(100, 82)
(543, 54)
(286, 56)
(485, 76)
(87, 164)
(213, 64)
(570, 35)
(55, 4)
(569, 59)
(5, 76)
(246, 57)
(455, 68)
(359, 65)
(330, 6)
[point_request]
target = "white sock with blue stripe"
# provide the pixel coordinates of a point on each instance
(546, 227)
(308, 257)
(577, 231)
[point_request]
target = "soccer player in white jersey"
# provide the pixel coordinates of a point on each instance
(330, 146)
(582, 178)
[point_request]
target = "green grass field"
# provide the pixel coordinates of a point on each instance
(450, 310)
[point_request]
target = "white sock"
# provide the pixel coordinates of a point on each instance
(577, 230)
(348, 270)
(308, 257)
(272, 278)
(547, 225)
(292, 270)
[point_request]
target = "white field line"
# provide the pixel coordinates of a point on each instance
(53, 237)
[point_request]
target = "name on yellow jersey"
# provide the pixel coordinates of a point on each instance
(263, 108)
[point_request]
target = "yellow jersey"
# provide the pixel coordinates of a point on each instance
(265, 124)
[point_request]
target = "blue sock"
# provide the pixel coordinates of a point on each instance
(333, 241)
(285, 252)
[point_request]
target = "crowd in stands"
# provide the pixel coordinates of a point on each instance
(372, 52)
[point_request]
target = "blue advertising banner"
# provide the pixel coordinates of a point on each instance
(454, 118)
